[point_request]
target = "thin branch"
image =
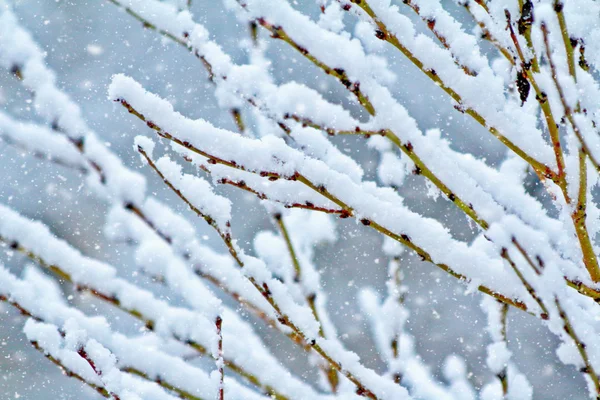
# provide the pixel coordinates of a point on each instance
(581, 348)
(396, 291)
(542, 99)
(241, 184)
(66, 371)
(524, 23)
(182, 394)
(219, 359)
(44, 156)
(505, 254)
(311, 298)
(569, 113)
(209, 220)
(487, 33)
(278, 32)
(503, 375)
(288, 242)
(431, 23)
(558, 8)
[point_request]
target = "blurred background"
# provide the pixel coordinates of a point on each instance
(89, 41)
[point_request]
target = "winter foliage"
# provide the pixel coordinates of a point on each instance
(527, 73)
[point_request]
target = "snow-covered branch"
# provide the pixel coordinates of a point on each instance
(295, 152)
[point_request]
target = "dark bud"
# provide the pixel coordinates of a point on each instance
(365, 222)
(582, 61)
(540, 261)
(398, 378)
(345, 214)
(526, 17)
(380, 34)
(558, 6)
(573, 41)
(78, 142)
(266, 290)
(523, 87)
(16, 70)
(543, 97)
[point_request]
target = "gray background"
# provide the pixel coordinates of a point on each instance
(443, 320)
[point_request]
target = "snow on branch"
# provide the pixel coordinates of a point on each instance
(41, 142)
(536, 93)
(191, 328)
(271, 157)
(132, 356)
(94, 150)
(91, 361)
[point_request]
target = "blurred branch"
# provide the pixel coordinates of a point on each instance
(67, 372)
(311, 297)
(148, 322)
(235, 112)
